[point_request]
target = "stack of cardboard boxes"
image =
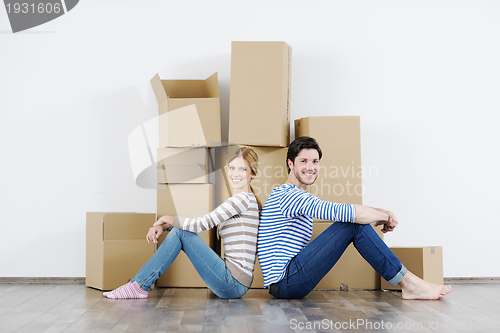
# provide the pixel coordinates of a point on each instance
(191, 170)
(189, 123)
(259, 113)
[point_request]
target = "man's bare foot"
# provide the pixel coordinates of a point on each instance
(414, 287)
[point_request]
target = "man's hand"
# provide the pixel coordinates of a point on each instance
(153, 233)
(390, 224)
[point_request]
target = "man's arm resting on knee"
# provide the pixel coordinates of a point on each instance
(366, 215)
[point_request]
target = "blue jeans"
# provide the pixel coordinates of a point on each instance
(309, 266)
(208, 264)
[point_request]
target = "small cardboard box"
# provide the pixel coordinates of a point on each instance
(351, 269)
(259, 100)
(272, 171)
(340, 175)
(425, 262)
(116, 247)
(196, 121)
(183, 165)
(185, 200)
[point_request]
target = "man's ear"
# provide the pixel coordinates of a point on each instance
(290, 163)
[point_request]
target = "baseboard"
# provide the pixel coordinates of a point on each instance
(42, 280)
(471, 280)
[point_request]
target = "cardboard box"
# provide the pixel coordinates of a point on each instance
(351, 269)
(340, 176)
(424, 262)
(185, 200)
(197, 120)
(259, 100)
(116, 247)
(272, 171)
(183, 165)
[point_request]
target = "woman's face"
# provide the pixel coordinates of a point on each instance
(240, 175)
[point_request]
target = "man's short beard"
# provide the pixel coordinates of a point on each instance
(298, 177)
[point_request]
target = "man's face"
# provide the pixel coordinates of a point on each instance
(306, 166)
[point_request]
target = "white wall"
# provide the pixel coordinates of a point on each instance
(423, 76)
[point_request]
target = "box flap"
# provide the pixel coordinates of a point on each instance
(158, 89)
(212, 86)
(127, 225)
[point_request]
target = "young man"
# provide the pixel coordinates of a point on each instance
(292, 267)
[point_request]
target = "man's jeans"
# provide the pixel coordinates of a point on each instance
(209, 265)
(307, 268)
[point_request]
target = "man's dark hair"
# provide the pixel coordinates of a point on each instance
(303, 142)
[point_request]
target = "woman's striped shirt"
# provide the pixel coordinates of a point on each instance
(286, 226)
(238, 218)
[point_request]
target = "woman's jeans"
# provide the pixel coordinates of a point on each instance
(307, 268)
(209, 265)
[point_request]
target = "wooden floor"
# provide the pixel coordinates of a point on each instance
(76, 308)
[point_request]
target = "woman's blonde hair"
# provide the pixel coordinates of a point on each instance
(250, 156)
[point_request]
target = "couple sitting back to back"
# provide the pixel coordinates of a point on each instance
(291, 266)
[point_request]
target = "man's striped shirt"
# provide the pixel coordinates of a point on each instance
(286, 226)
(238, 218)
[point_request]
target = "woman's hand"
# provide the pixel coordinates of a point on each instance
(153, 233)
(165, 219)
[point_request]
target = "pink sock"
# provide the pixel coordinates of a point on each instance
(129, 290)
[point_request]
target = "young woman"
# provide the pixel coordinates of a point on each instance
(238, 220)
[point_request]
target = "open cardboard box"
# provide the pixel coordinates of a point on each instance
(198, 123)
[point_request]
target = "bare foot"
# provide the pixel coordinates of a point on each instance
(414, 287)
